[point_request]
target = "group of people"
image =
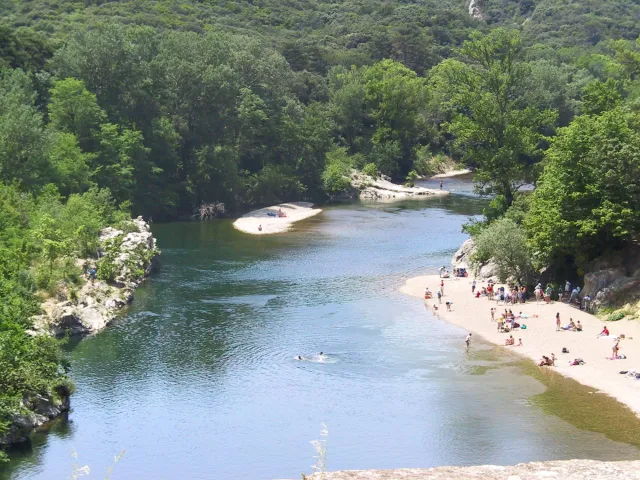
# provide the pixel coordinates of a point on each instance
(571, 326)
(281, 214)
(547, 361)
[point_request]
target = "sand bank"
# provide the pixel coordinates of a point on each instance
(540, 337)
(452, 173)
(295, 212)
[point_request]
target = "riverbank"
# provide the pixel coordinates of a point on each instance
(541, 338)
(453, 173)
(565, 470)
(268, 218)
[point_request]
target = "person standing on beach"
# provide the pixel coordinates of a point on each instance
(442, 287)
(468, 340)
(493, 314)
(473, 286)
(439, 296)
(558, 324)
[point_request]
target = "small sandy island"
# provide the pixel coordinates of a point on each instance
(294, 211)
(453, 173)
(541, 338)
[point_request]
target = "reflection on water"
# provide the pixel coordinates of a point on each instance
(200, 379)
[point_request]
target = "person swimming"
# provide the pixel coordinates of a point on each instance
(299, 357)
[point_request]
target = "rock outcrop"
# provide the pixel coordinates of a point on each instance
(613, 277)
(33, 412)
(474, 10)
(382, 189)
(463, 258)
(127, 258)
(561, 470)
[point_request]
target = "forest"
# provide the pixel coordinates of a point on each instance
(155, 108)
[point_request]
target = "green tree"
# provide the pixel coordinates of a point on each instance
(588, 196)
(493, 128)
(505, 243)
(73, 109)
(397, 98)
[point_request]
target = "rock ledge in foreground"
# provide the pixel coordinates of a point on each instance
(560, 470)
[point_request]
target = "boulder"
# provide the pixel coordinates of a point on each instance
(35, 410)
(462, 258)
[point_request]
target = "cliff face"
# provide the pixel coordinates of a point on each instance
(127, 258)
(561, 470)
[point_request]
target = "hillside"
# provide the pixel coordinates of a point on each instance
(566, 23)
(312, 34)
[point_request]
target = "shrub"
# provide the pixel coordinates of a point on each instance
(370, 169)
(411, 179)
(615, 316)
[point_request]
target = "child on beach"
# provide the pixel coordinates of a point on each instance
(520, 343)
(558, 324)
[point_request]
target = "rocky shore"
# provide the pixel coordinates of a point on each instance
(126, 259)
(562, 470)
(381, 189)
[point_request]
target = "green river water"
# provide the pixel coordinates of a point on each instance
(199, 380)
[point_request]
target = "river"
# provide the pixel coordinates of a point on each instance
(199, 378)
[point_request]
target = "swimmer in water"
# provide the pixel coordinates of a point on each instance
(299, 357)
(320, 354)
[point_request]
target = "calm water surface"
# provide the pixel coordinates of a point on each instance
(199, 379)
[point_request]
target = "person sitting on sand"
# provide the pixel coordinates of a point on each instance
(435, 307)
(604, 332)
(544, 361)
(520, 343)
(427, 293)
(510, 341)
(571, 326)
(578, 326)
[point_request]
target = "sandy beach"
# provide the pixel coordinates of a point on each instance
(453, 173)
(295, 211)
(541, 338)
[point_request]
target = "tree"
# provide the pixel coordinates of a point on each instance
(396, 98)
(493, 128)
(505, 243)
(73, 109)
(588, 197)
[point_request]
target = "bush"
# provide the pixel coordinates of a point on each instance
(107, 270)
(370, 169)
(615, 316)
(504, 242)
(411, 179)
(335, 178)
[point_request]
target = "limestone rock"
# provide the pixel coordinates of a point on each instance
(463, 258)
(132, 256)
(35, 411)
(561, 470)
(382, 189)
